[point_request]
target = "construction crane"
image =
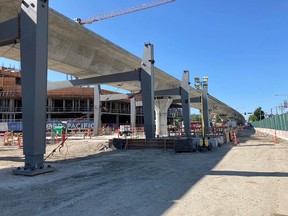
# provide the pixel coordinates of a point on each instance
(120, 12)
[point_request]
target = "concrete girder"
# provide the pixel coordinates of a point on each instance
(100, 57)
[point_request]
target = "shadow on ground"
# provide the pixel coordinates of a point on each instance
(137, 182)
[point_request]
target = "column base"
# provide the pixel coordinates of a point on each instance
(32, 172)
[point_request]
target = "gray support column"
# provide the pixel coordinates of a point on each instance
(49, 108)
(78, 105)
(147, 87)
(88, 104)
(185, 100)
(205, 111)
(133, 112)
(88, 109)
(117, 120)
(97, 109)
(34, 52)
(64, 105)
(11, 109)
(161, 108)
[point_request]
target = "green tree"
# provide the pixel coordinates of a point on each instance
(218, 119)
(252, 118)
(259, 113)
(195, 118)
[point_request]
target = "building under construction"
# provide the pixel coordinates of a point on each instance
(65, 104)
(68, 104)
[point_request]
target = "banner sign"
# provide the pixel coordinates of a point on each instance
(70, 125)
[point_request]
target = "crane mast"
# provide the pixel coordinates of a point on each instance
(120, 12)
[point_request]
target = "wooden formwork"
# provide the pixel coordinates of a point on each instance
(144, 143)
(149, 143)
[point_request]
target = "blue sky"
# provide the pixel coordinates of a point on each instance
(242, 46)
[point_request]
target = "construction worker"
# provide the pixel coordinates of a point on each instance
(63, 133)
(60, 130)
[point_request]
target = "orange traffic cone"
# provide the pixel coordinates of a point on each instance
(19, 141)
(275, 137)
(235, 139)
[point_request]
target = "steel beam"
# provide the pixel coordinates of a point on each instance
(105, 79)
(168, 92)
(113, 97)
(205, 111)
(34, 53)
(133, 113)
(97, 110)
(192, 100)
(10, 32)
(185, 100)
(147, 88)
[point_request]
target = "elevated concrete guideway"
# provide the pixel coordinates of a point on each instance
(77, 51)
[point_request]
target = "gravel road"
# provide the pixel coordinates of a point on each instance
(248, 179)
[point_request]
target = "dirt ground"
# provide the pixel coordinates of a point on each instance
(248, 179)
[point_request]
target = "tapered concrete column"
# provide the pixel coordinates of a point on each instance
(133, 112)
(161, 108)
(97, 109)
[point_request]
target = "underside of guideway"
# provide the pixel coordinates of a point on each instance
(83, 53)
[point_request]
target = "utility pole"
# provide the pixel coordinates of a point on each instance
(285, 102)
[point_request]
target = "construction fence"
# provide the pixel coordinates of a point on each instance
(279, 122)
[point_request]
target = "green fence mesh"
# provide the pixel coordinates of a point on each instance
(279, 122)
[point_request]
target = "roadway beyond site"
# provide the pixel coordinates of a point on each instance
(248, 179)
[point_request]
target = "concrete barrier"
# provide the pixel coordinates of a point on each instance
(280, 134)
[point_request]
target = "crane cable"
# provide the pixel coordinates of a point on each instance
(115, 91)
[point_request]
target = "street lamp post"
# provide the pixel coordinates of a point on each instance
(203, 86)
